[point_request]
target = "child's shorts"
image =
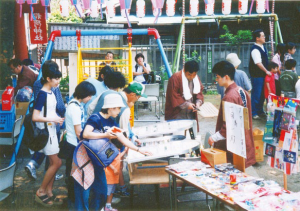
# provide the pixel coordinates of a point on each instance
(111, 188)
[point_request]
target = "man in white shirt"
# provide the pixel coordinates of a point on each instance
(140, 69)
(257, 69)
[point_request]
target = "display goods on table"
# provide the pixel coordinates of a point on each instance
(163, 147)
(234, 187)
(164, 128)
(281, 134)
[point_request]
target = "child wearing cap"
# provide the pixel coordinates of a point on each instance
(103, 121)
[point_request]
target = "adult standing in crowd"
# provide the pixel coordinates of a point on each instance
(225, 72)
(290, 50)
(140, 69)
(109, 61)
(26, 77)
(184, 93)
(258, 69)
(278, 58)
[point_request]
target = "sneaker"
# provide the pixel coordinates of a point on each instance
(256, 117)
(110, 209)
(115, 200)
(58, 176)
(30, 170)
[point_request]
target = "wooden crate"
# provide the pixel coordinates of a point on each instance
(213, 156)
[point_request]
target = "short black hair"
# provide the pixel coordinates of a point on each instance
(84, 89)
(138, 56)
(191, 66)
(14, 62)
(290, 63)
(114, 80)
(104, 71)
(256, 34)
(110, 53)
(104, 110)
(272, 65)
(50, 69)
(281, 48)
(223, 68)
(27, 62)
(290, 46)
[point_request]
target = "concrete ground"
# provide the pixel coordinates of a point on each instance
(26, 188)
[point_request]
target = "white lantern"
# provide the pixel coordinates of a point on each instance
(110, 9)
(140, 8)
(226, 7)
(243, 6)
(260, 6)
(170, 8)
(64, 8)
(79, 10)
(210, 7)
(194, 7)
(94, 9)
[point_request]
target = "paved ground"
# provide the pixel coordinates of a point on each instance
(25, 188)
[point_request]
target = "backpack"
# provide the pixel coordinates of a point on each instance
(35, 138)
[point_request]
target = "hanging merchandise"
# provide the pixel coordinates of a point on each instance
(140, 8)
(86, 4)
(260, 6)
(30, 3)
(243, 7)
(157, 6)
(64, 8)
(20, 2)
(226, 7)
(46, 4)
(125, 10)
(110, 9)
(94, 9)
(209, 7)
(194, 7)
(170, 7)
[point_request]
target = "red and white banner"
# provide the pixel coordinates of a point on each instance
(38, 30)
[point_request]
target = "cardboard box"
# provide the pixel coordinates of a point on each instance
(258, 144)
(21, 108)
(213, 156)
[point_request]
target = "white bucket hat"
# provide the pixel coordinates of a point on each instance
(113, 101)
(233, 59)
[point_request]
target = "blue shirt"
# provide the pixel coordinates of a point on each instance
(99, 123)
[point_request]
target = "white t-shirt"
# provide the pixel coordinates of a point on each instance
(256, 54)
(74, 116)
(140, 78)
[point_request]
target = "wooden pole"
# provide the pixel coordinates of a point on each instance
(285, 181)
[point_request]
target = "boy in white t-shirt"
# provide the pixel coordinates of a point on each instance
(74, 124)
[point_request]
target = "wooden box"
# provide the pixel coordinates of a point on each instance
(21, 108)
(213, 156)
(258, 144)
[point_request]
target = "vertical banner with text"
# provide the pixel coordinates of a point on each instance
(38, 30)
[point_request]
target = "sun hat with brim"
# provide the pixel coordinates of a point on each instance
(113, 101)
(233, 59)
(137, 88)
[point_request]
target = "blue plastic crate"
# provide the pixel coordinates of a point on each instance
(7, 119)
